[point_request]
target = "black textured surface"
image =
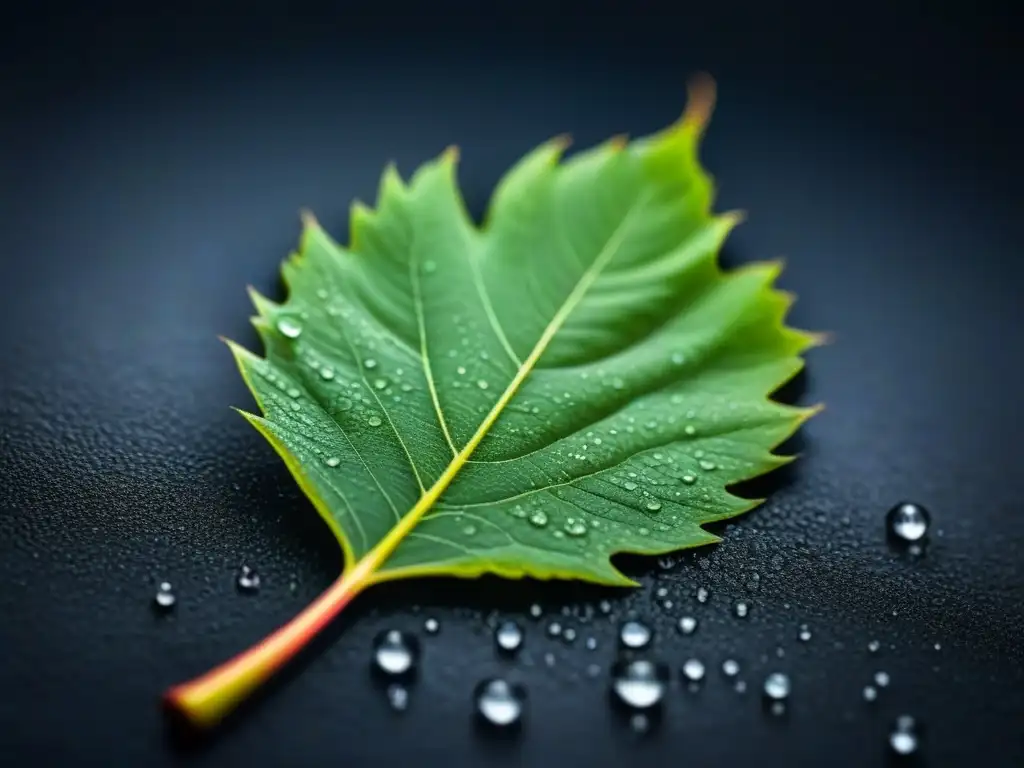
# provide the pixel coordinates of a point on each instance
(153, 165)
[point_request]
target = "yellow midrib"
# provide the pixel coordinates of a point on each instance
(369, 564)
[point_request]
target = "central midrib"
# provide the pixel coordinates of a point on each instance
(372, 560)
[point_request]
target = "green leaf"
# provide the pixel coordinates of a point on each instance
(573, 379)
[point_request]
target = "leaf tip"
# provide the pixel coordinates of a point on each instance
(560, 143)
(451, 154)
(308, 219)
(619, 142)
(701, 94)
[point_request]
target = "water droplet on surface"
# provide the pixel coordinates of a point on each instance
(653, 505)
(591, 643)
(569, 634)
(604, 607)
(687, 625)
(431, 626)
(882, 679)
(164, 598)
(873, 646)
(482, 384)
(741, 609)
(554, 629)
(629, 485)
(370, 363)
(289, 328)
(398, 697)
(539, 519)
(639, 684)
(469, 530)
(380, 383)
(374, 421)
(741, 686)
(326, 373)
(247, 580)
(639, 723)
(730, 667)
(804, 634)
(689, 479)
(508, 636)
(332, 461)
(870, 693)
(536, 611)
(395, 653)
(576, 528)
(693, 670)
(633, 634)
(706, 465)
(777, 686)
(907, 522)
(702, 595)
(903, 738)
(499, 703)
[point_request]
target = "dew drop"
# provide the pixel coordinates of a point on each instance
(730, 667)
(689, 479)
(482, 384)
(591, 643)
(639, 684)
(569, 634)
(431, 626)
(539, 519)
(536, 611)
(326, 373)
(395, 653)
(903, 738)
(554, 629)
(398, 697)
(293, 392)
(469, 530)
(882, 679)
(687, 625)
(873, 646)
(678, 358)
(707, 465)
(629, 485)
(604, 607)
(653, 505)
(374, 421)
(289, 328)
(247, 580)
(370, 363)
(908, 522)
(690, 429)
(639, 723)
(741, 609)
(576, 528)
(332, 461)
(804, 634)
(702, 595)
(870, 693)
(499, 703)
(380, 383)
(693, 670)
(164, 598)
(633, 634)
(777, 686)
(508, 636)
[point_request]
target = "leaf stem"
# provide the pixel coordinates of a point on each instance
(206, 700)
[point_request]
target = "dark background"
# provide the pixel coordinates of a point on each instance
(153, 163)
